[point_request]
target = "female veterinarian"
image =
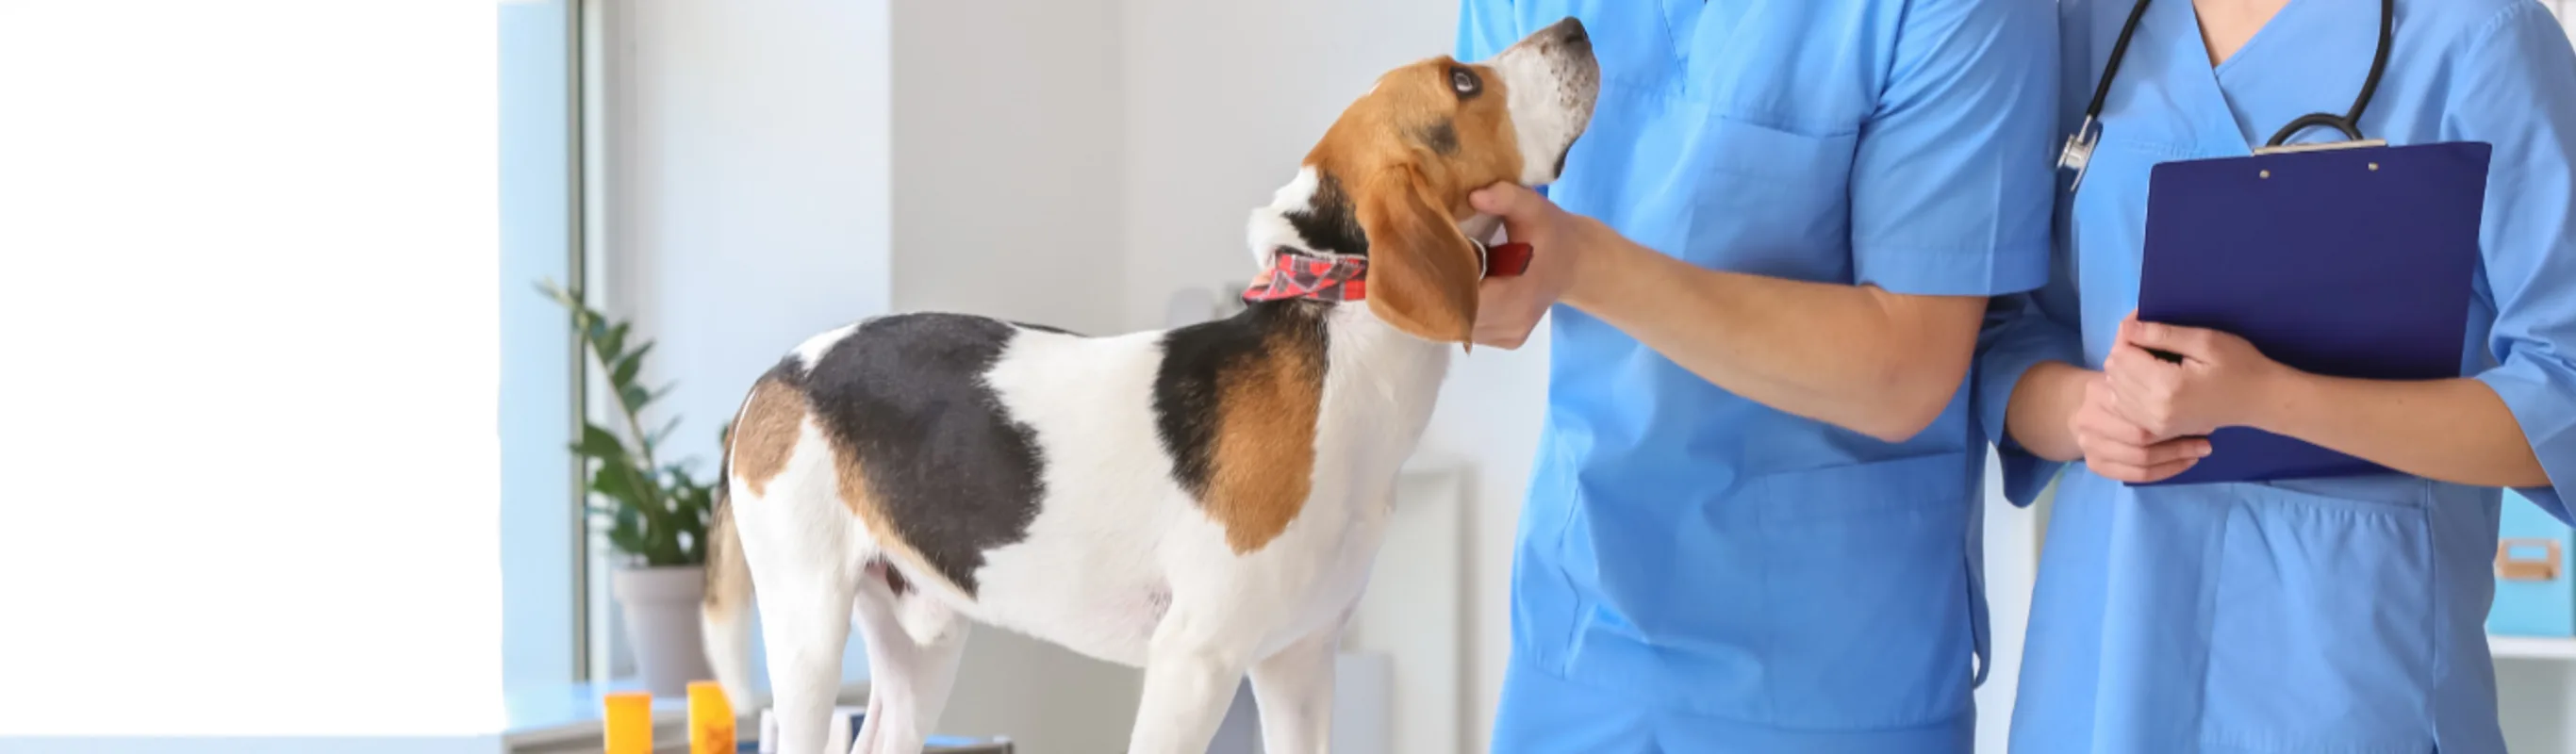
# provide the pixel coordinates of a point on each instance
(2330, 615)
(1752, 525)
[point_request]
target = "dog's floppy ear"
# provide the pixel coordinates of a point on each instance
(1422, 274)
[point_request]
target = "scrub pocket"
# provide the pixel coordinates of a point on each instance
(2321, 630)
(1768, 198)
(1865, 593)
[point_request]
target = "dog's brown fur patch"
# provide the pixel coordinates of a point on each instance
(851, 477)
(1415, 121)
(1264, 460)
(766, 434)
(728, 576)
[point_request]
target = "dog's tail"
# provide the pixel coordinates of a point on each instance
(726, 615)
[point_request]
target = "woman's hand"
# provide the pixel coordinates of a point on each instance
(2120, 450)
(1510, 307)
(2222, 380)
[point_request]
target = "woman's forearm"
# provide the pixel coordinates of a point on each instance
(2454, 430)
(2036, 417)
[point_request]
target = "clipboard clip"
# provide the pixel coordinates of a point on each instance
(2320, 146)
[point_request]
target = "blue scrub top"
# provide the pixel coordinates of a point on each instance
(1698, 571)
(2328, 615)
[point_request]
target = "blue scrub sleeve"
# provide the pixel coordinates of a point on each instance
(1485, 27)
(1952, 178)
(2022, 330)
(2518, 92)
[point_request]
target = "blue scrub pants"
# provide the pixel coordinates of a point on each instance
(1544, 714)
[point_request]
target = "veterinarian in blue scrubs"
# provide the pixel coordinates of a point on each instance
(2332, 615)
(1753, 523)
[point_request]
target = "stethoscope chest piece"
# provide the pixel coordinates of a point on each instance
(2078, 153)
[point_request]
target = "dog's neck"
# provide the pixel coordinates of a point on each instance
(1399, 369)
(1312, 214)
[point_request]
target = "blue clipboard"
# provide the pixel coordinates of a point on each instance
(2350, 260)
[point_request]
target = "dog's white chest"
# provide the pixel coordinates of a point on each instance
(1344, 570)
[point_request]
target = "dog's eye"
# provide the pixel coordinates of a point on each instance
(1465, 82)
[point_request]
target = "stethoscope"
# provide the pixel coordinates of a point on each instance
(2079, 146)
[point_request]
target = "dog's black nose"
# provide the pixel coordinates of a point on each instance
(1571, 32)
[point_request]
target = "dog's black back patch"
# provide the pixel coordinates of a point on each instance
(1189, 383)
(943, 459)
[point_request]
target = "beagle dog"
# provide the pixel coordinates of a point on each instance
(1204, 502)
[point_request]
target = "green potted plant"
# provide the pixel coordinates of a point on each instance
(655, 514)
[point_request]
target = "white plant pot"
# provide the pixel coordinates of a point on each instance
(661, 608)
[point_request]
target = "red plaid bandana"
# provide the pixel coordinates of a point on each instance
(1300, 274)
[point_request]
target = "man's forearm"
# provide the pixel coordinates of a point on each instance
(2455, 430)
(1858, 357)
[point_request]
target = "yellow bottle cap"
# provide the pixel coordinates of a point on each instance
(710, 720)
(627, 722)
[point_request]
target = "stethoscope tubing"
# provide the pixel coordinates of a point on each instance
(2350, 123)
(2079, 146)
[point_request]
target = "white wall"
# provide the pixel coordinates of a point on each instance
(750, 178)
(1007, 132)
(2566, 10)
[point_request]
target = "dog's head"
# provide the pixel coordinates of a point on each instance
(1390, 179)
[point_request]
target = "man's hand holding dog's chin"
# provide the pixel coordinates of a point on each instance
(1560, 243)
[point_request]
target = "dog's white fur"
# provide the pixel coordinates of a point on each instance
(1120, 563)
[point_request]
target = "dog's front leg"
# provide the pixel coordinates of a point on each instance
(1191, 673)
(1295, 690)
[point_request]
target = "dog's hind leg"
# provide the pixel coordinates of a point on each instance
(805, 626)
(914, 643)
(806, 576)
(1295, 690)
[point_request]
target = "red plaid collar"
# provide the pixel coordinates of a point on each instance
(1296, 273)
